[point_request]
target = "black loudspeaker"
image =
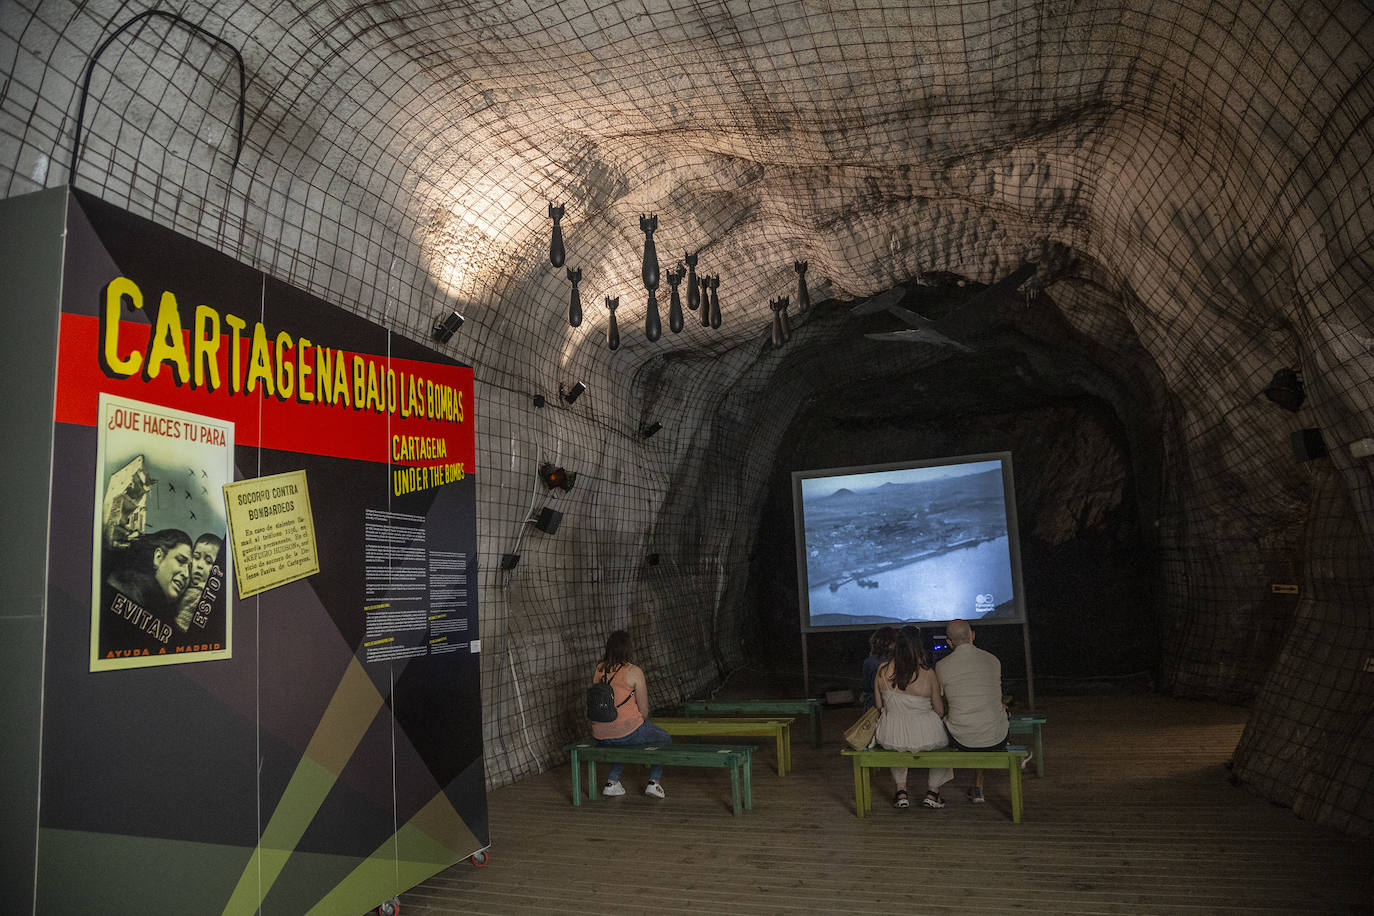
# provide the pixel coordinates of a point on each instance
(1308, 444)
(652, 559)
(548, 520)
(509, 560)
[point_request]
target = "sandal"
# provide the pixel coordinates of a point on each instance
(900, 800)
(932, 800)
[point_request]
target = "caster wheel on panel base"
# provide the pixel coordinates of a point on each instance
(390, 907)
(478, 858)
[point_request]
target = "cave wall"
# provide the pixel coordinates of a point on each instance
(1307, 743)
(1193, 178)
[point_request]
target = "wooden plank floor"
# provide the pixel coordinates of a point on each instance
(1135, 815)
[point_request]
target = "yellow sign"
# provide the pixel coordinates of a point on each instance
(271, 530)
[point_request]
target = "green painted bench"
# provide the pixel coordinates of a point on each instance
(1029, 724)
(779, 729)
(810, 708)
(734, 757)
(1010, 760)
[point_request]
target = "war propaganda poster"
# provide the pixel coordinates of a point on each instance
(161, 558)
(272, 531)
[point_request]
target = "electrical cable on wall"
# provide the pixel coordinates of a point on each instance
(90, 70)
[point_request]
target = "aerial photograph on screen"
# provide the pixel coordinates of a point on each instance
(908, 545)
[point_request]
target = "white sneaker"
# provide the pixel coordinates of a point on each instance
(653, 789)
(612, 788)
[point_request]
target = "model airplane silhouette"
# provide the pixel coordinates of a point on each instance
(964, 319)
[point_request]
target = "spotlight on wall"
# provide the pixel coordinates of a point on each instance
(548, 520)
(445, 327)
(538, 400)
(1308, 444)
(555, 477)
(648, 429)
(570, 395)
(509, 560)
(651, 559)
(1286, 390)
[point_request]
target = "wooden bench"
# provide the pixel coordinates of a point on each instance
(779, 729)
(810, 708)
(1029, 724)
(734, 757)
(1010, 760)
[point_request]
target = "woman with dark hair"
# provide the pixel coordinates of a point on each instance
(138, 598)
(908, 697)
(880, 646)
(156, 572)
(632, 725)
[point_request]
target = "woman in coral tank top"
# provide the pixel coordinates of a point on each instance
(632, 725)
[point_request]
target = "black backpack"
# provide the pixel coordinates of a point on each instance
(601, 704)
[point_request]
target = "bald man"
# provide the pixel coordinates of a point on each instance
(971, 681)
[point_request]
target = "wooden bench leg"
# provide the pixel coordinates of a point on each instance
(734, 789)
(859, 777)
(591, 780)
(787, 745)
(1039, 752)
(1014, 773)
(816, 727)
(782, 757)
(576, 779)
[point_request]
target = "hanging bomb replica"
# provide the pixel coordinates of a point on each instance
(653, 328)
(575, 299)
(693, 296)
(803, 297)
(613, 336)
(648, 272)
(783, 321)
(674, 301)
(715, 301)
(556, 253)
(705, 300)
(777, 338)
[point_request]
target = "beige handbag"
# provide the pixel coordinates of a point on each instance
(860, 735)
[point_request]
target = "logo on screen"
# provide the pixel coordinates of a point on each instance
(984, 604)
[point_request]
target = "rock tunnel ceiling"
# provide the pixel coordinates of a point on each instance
(1190, 180)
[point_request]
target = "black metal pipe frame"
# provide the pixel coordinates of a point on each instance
(90, 69)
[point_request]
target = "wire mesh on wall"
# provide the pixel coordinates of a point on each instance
(1202, 169)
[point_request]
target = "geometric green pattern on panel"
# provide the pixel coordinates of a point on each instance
(125, 867)
(346, 719)
(419, 850)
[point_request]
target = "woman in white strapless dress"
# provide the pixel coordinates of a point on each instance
(907, 692)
